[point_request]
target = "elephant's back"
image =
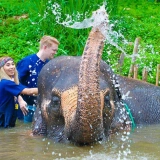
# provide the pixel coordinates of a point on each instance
(142, 98)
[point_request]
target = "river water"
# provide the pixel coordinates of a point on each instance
(17, 144)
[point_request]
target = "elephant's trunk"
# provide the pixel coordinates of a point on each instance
(87, 125)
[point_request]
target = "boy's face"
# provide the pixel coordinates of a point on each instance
(49, 52)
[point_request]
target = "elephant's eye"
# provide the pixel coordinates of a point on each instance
(53, 108)
(107, 101)
(56, 102)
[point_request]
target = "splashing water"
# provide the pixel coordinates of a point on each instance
(98, 19)
(100, 16)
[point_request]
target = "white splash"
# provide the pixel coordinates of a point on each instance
(126, 96)
(100, 20)
(98, 17)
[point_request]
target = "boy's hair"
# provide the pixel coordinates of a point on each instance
(3, 74)
(48, 41)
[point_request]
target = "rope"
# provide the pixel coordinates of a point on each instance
(130, 116)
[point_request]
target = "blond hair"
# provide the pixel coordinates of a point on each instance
(3, 74)
(48, 41)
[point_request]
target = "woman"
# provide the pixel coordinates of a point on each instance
(10, 91)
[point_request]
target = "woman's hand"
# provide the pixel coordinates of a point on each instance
(23, 105)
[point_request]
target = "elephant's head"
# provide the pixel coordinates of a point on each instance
(79, 99)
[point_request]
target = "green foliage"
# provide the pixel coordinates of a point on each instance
(20, 35)
(12, 8)
(139, 19)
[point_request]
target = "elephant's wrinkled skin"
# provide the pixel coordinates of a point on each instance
(80, 98)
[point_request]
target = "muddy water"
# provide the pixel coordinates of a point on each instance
(142, 144)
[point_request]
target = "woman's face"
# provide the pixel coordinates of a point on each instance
(9, 68)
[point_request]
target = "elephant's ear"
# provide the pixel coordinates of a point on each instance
(117, 87)
(112, 78)
(39, 127)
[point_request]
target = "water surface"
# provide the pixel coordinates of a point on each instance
(142, 144)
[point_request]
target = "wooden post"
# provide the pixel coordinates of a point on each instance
(135, 52)
(135, 71)
(144, 74)
(158, 74)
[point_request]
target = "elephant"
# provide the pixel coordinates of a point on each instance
(82, 101)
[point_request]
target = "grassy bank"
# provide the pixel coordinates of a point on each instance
(24, 22)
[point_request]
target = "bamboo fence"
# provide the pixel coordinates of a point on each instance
(133, 71)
